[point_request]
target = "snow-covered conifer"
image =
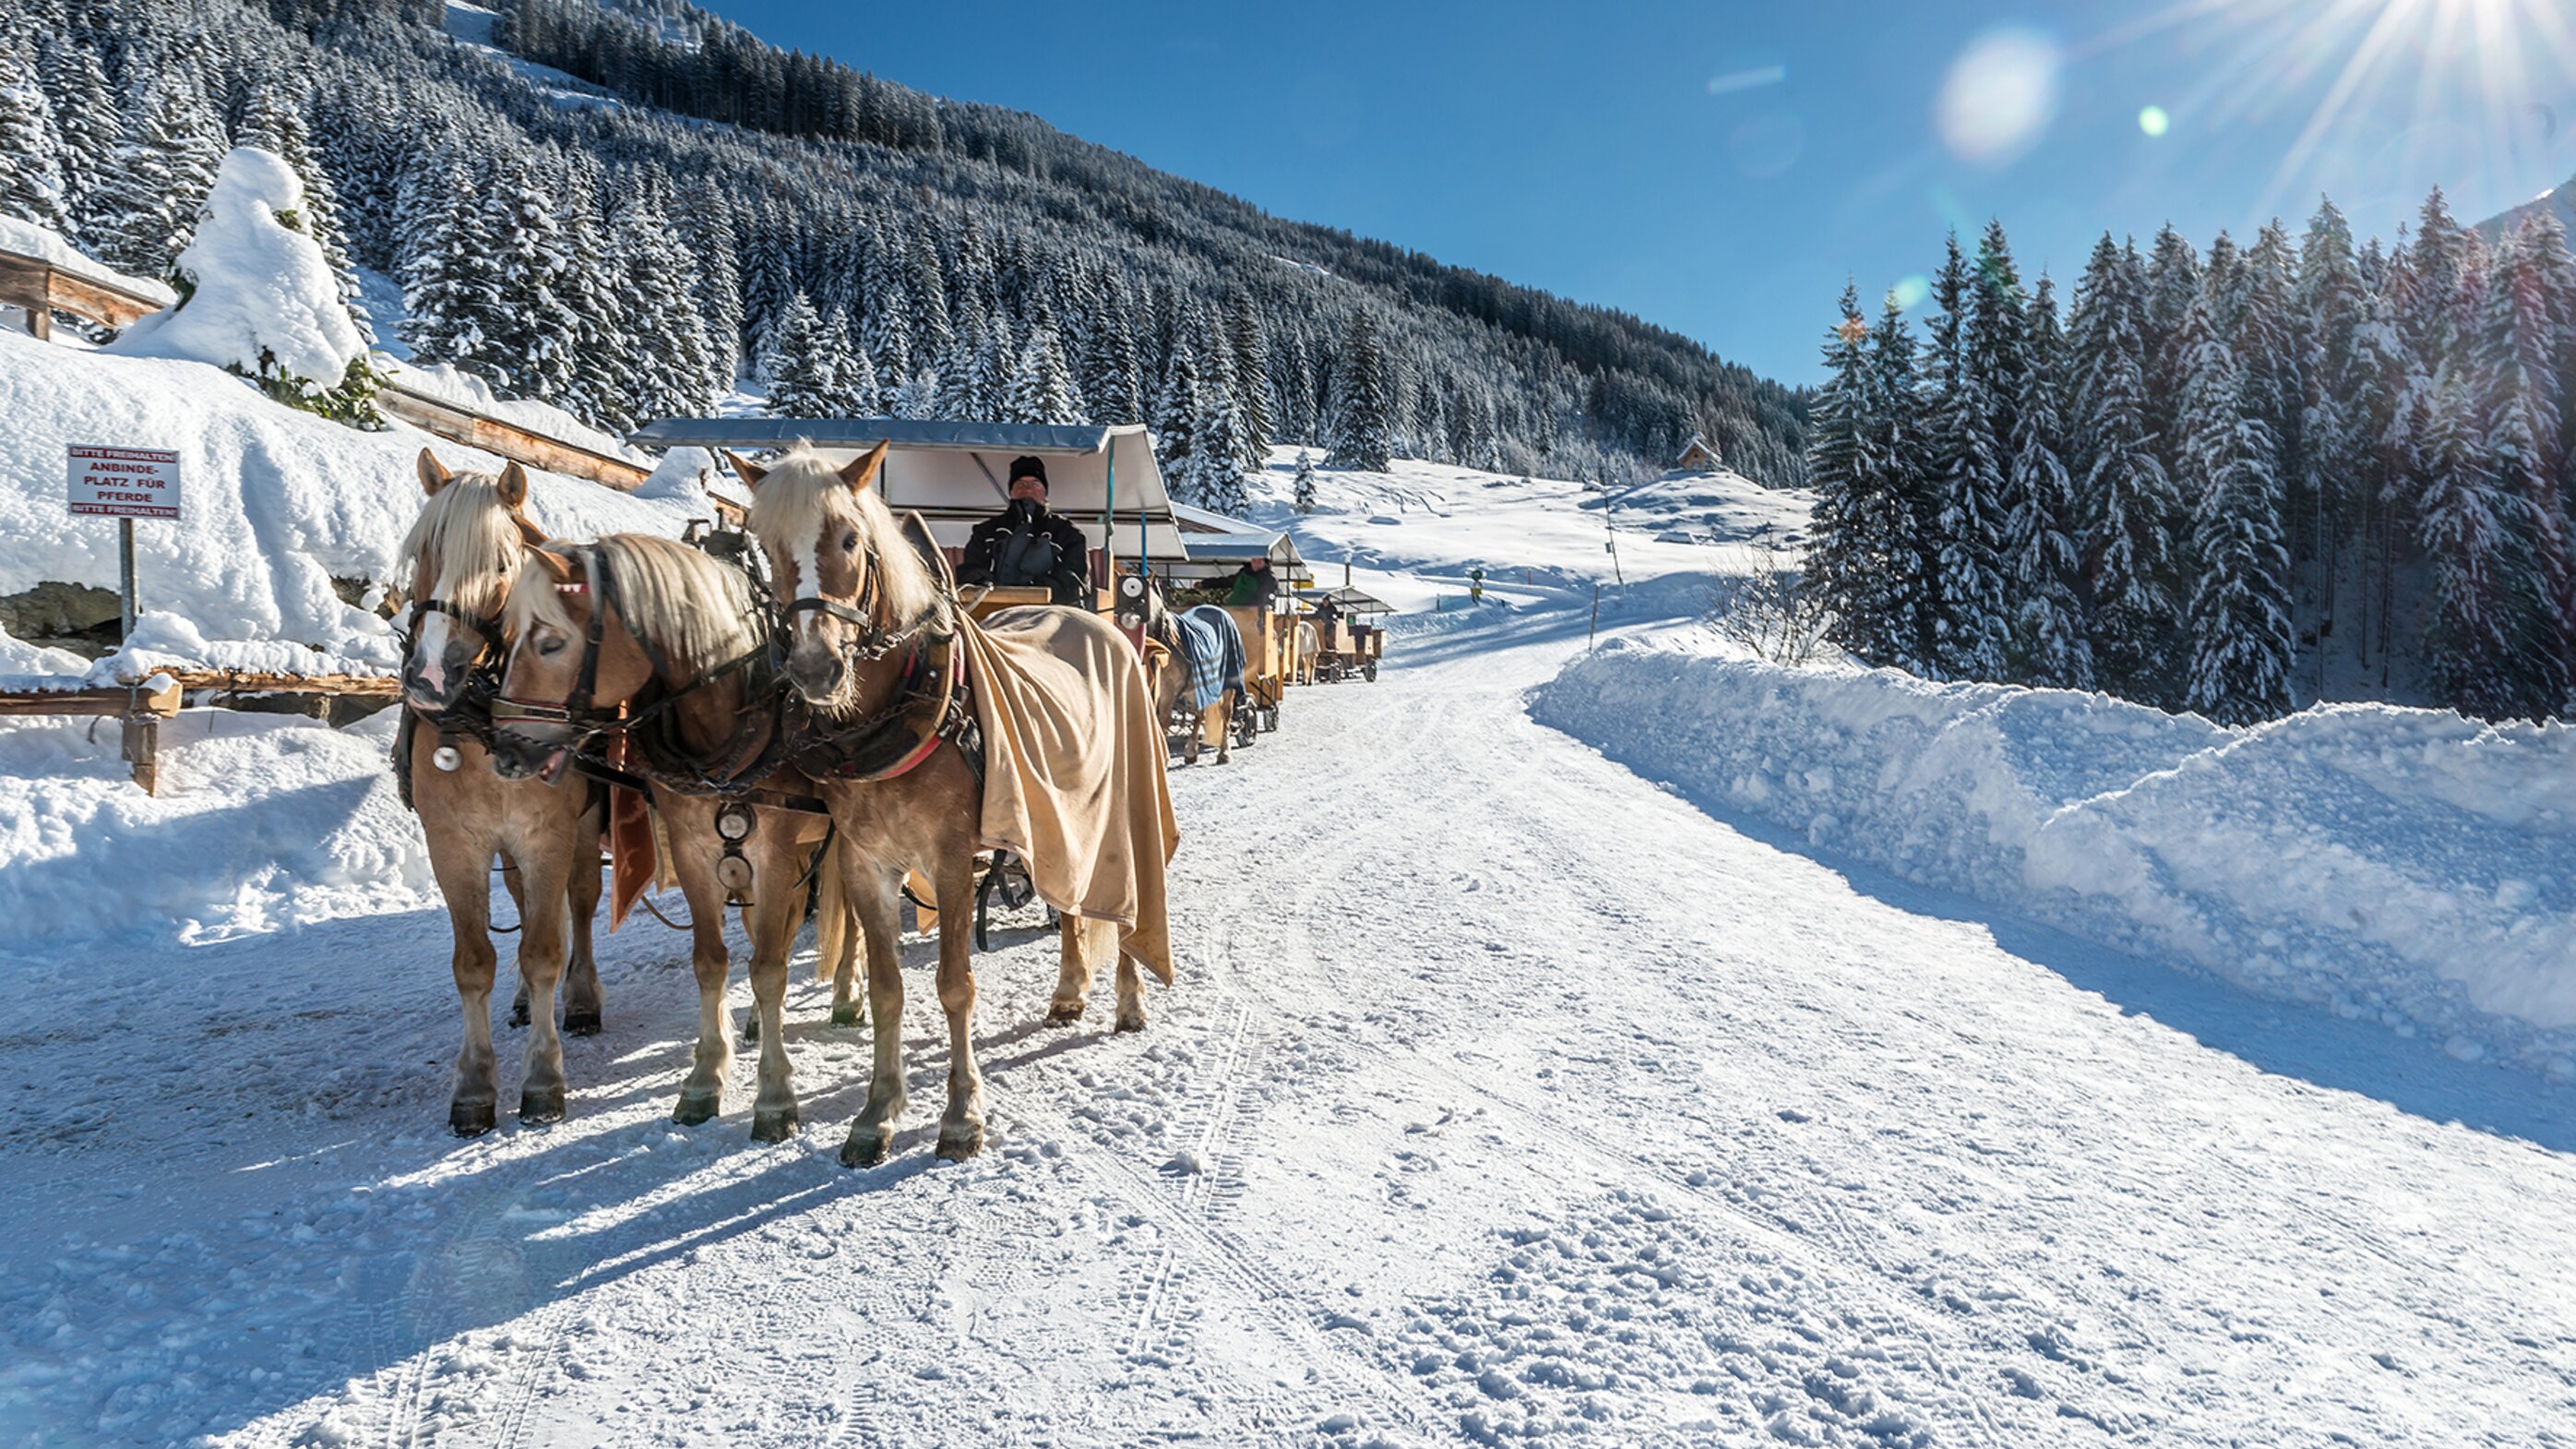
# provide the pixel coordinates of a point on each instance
(2238, 620)
(1301, 488)
(1042, 385)
(1361, 425)
(31, 173)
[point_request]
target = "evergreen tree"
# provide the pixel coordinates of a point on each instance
(149, 198)
(2469, 644)
(31, 174)
(85, 120)
(932, 329)
(1215, 469)
(676, 373)
(1896, 448)
(885, 326)
(954, 398)
(803, 370)
(447, 272)
(2239, 616)
(710, 213)
(1251, 376)
(603, 378)
(1302, 487)
(1360, 422)
(1042, 386)
(2128, 510)
(988, 382)
(2050, 646)
(2518, 345)
(1971, 631)
(1176, 410)
(529, 332)
(2332, 418)
(1842, 559)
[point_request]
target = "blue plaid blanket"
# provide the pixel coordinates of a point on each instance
(1215, 652)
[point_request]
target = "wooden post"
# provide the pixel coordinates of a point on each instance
(1595, 635)
(142, 731)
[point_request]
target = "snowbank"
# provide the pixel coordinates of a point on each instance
(28, 239)
(263, 822)
(2404, 865)
(275, 503)
(265, 300)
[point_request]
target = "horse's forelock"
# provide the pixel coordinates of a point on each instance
(803, 494)
(470, 542)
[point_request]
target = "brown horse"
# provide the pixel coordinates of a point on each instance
(461, 554)
(868, 616)
(653, 639)
(1170, 677)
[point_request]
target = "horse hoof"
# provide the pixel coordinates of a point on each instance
(1131, 1021)
(519, 1012)
(850, 1015)
(1064, 1015)
(544, 1104)
(751, 1029)
(863, 1151)
(581, 1023)
(697, 1107)
(775, 1126)
(472, 1119)
(960, 1145)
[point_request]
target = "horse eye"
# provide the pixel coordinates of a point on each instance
(850, 541)
(550, 644)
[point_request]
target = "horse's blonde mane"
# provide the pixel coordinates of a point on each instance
(475, 539)
(695, 610)
(802, 492)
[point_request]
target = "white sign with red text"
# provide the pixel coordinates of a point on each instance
(124, 482)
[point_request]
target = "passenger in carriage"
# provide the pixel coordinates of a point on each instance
(1254, 584)
(1025, 546)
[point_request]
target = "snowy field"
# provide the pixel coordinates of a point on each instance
(1620, 1046)
(1531, 1103)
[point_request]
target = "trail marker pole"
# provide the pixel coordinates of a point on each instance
(125, 578)
(1595, 636)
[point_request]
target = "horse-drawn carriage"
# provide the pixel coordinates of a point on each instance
(1347, 641)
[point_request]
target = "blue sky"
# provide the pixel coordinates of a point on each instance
(1720, 168)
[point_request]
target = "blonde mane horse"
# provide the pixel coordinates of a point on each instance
(461, 556)
(865, 603)
(643, 622)
(1308, 647)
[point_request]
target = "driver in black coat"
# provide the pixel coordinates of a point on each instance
(1026, 546)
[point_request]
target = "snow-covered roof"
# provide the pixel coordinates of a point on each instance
(951, 472)
(1221, 542)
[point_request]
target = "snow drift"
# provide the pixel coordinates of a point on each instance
(275, 503)
(2400, 864)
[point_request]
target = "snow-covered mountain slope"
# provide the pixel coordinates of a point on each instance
(276, 503)
(2560, 199)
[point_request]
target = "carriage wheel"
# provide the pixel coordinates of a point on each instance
(1370, 670)
(1247, 723)
(1269, 716)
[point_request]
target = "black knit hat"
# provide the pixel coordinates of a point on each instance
(1029, 468)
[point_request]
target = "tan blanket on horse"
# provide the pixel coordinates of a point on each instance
(1073, 771)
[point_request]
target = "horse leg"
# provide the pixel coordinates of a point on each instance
(836, 939)
(702, 1095)
(776, 905)
(464, 878)
(1223, 713)
(582, 999)
(511, 882)
(871, 891)
(1131, 986)
(961, 1127)
(1072, 973)
(541, 964)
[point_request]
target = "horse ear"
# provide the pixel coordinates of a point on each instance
(751, 473)
(433, 473)
(514, 487)
(529, 533)
(862, 471)
(556, 564)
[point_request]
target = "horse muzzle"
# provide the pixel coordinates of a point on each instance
(816, 673)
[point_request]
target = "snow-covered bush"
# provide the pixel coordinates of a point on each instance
(261, 299)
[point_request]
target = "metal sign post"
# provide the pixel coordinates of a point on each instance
(126, 484)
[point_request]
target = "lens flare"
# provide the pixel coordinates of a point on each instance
(1999, 96)
(2154, 121)
(1910, 292)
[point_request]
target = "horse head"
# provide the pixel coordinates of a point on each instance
(857, 590)
(460, 558)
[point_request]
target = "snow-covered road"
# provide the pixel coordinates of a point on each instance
(1502, 1095)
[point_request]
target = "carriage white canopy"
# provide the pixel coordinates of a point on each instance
(952, 472)
(1219, 545)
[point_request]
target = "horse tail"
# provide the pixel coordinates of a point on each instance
(834, 938)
